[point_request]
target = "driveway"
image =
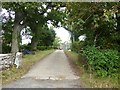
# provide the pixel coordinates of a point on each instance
(54, 71)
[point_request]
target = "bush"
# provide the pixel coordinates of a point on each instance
(103, 62)
(76, 46)
(25, 47)
(6, 49)
(41, 47)
(49, 47)
(44, 47)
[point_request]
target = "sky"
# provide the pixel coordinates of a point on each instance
(63, 34)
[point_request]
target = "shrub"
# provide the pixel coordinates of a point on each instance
(103, 62)
(25, 47)
(6, 48)
(49, 47)
(41, 47)
(76, 46)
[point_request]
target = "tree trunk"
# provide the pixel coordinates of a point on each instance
(36, 30)
(34, 43)
(15, 34)
(34, 40)
(14, 48)
(15, 39)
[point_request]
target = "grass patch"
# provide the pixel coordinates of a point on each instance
(12, 73)
(90, 80)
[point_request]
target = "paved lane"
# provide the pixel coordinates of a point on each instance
(53, 71)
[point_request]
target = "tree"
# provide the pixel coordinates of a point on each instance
(7, 36)
(100, 23)
(46, 37)
(38, 20)
(96, 20)
(57, 42)
(35, 20)
(20, 10)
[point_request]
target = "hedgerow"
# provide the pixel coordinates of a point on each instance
(102, 62)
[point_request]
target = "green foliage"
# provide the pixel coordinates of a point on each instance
(77, 46)
(103, 62)
(41, 47)
(7, 36)
(44, 47)
(46, 36)
(6, 48)
(56, 43)
(25, 47)
(97, 21)
(37, 20)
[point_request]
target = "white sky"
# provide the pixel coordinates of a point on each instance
(63, 34)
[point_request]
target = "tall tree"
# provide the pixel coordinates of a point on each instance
(41, 13)
(47, 36)
(20, 10)
(49, 12)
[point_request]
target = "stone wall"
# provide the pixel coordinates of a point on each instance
(5, 61)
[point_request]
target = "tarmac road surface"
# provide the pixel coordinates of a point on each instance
(54, 71)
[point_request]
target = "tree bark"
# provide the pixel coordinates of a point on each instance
(36, 30)
(35, 40)
(15, 34)
(34, 43)
(15, 39)
(16, 31)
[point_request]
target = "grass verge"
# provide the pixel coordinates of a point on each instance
(12, 73)
(90, 80)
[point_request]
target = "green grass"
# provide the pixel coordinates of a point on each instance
(90, 80)
(12, 73)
